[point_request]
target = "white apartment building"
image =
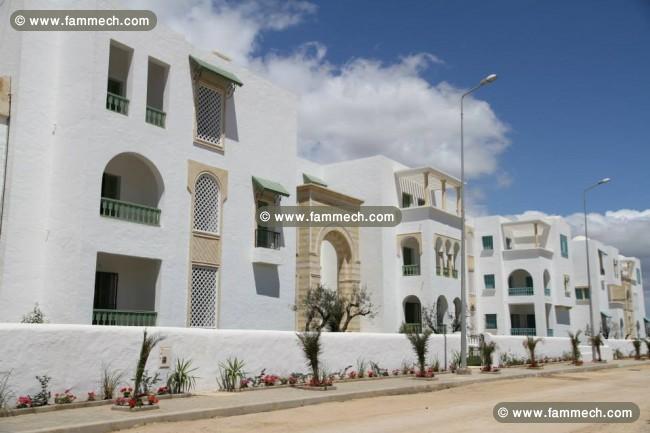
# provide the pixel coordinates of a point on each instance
(134, 167)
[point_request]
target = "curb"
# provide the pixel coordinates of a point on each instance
(197, 414)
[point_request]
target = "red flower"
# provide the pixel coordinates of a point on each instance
(132, 402)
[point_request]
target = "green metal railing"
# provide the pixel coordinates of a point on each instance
(445, 272)
(438, 270)
(520, 291)
(549, 332)
(126, 211)
(454, 273)
(155, 116)
(522, 331)
(117, 103)
(408, 270)
(124, 318)
(413, 327)
(265, 238)
(547, 291)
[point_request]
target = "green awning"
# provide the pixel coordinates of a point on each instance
(222, 73)
(269, 185)
(605, 314)
(646, 320)
(308, 178)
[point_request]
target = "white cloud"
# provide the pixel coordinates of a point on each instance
(361, 108)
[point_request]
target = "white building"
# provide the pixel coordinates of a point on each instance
(134, 167)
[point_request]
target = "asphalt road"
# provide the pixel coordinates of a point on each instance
(462, 409)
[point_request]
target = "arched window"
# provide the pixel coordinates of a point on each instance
(206, 204)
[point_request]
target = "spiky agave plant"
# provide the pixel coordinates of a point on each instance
(575, 346)
(530, 344)
(420, 344)
(487, 350)
(148, 343)
(597, 341)
(181, 379)
(311, 348)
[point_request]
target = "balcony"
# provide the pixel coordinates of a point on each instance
(521, 291)
(131, 212)
(522, 331)
(117, 103)
(410, 270)
(413, 328)
(124, 318)
(454, 273)
(155, 117)
(265, 238)
(547, 291)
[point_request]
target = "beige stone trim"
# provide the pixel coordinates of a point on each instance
(402, 237)
(5, 96)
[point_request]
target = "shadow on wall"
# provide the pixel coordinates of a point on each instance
(267, 280)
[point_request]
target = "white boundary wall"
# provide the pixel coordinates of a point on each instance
(73, 354)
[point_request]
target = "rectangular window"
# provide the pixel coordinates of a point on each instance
(407, 254)
(488, 279)
(407, 199)
(562, 315)
(420, 202)
(203, 297)
(105, 291)
(119, 68)
(209, 108)
(490, 321)
(582, 293)
(488, 243)
(156, 87)
(111, 186)
(564, 246)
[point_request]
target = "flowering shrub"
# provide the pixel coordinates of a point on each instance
(293, 380)
(23, 402)
(352, 375)
(163, 390)
(126, 391)
(314, 381)
(396, 372)
(371, 373)
(152, 399)
(121, 401)
(270, 379)
(64, 398)
(92, 396)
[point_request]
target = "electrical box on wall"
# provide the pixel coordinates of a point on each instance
(165, 357)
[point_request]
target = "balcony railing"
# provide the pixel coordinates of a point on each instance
(413, 327)
(155, 116)
(445, 272)
(520, 291)
(124, 318)
(408, 270)
(522, 331)
(117, 103)
(547, 291)
(549, 332)
(132, 212)
(265, 238)
(438, 270)
(454, 273)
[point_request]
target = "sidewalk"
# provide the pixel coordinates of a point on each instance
(216, 404)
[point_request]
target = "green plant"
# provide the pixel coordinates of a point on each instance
(231, 373)
(455, 361)
(597, 341)
(530, 344)
(420, 344)
(647, 343)
(618, 354)
(333, 310)
(110, 381)
(575, 346)
(637, 348)
(43, 397)
(148, 343)
(486, 350)
(181, 379)
(6, 394)
(148, 382)
(34, 316)
(311, 347)
(361, 368)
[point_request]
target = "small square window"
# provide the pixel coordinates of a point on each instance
(488, 243)
(490, 321)
(488, 279)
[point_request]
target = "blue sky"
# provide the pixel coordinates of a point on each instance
(573, 84)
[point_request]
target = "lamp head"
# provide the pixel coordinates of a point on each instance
(489, 79)
(605, 180)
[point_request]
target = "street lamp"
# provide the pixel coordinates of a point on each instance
(463, 299)
(591, 301)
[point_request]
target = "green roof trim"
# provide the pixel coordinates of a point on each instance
(308, 178)
(269, 185)
(222, 73)
(647, 320)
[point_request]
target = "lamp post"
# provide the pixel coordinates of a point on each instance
(591, 298)
(463, 298)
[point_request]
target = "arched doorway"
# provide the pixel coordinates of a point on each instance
(457, 311)
(520, 282)
(412, 313)
(329, 265)
(442, 307)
